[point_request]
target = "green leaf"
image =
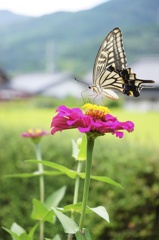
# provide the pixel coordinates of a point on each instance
(18, 233)
(32, 231)
(103, 179)
(57, 237)
(24, 236)
(107, 180)
(80, 236)
(49, 217)
(79, 148)
(75, 208)
(52, 173)
(65, 170)
(87, 234)
(16, 228)
(75, 149)
(68, 224)
(54, 199)
(21, 175)
(34, 174)
(39, 210)
(84, 235)
(82, 149)
(101, 211)
(14, 236)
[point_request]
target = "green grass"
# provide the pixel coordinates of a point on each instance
(26, 115)
(15, 116)
(27, 118)
(146, 125)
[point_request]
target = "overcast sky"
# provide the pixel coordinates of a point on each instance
(41, 7)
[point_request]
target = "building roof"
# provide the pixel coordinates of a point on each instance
(49, 84)
(4, 78)
(147, 68)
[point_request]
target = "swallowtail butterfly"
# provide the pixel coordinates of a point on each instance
(110, 69)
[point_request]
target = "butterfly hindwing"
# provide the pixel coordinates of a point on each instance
(133, 85)
(113, 79)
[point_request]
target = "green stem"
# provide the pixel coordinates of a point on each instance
(90, 145)
(76, 192)
(77, 183)
(41, 186)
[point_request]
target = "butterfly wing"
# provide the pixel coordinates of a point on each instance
(133, 85)
(109, 79)
(111, 53)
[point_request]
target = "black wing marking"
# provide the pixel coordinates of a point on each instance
(133, 85)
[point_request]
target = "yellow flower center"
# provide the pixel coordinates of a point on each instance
(97, 112)
(34, 131)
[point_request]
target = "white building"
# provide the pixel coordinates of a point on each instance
(54, 84)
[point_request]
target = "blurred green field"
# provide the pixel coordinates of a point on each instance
(25, 115)
(132, 161)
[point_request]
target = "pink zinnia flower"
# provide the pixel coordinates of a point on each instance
(35, 134)
(96, 121)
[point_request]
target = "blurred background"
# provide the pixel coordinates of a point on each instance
(42, 49)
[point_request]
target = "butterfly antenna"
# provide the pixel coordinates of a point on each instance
(79, 81)
(84, 90)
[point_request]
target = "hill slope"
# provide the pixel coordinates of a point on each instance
(72, 39)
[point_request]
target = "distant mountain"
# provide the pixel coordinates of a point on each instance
(71, 40)
(7, 18)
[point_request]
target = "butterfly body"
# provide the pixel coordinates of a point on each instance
(110, 69)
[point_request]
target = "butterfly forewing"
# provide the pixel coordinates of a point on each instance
(111, 53)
